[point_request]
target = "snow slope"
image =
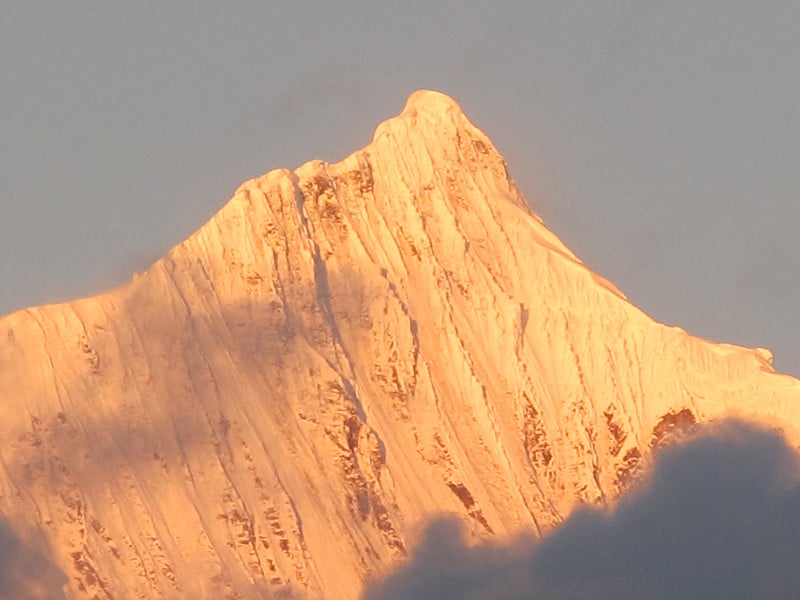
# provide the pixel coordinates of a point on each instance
(340, 353)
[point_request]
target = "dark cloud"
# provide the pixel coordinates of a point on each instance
(26, 573)
(718, 517)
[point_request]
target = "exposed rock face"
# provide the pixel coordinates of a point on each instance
(341, 352)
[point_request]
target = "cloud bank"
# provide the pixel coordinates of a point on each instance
(25, 571)
(717, 517)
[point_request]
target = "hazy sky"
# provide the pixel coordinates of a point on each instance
(660, 140)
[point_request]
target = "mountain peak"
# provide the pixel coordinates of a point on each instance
(434, 116)
(430, 102)
(343, 351)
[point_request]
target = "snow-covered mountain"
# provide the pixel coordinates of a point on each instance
(342, 352)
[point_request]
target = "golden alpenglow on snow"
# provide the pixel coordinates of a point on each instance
(342, 353)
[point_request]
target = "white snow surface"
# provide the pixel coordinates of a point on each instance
(342, 352)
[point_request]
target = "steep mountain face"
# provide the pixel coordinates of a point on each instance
(342, 352)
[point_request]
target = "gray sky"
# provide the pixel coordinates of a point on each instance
(660, 140)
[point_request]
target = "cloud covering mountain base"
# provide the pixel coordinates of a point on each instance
(25, 571)
(717, 517)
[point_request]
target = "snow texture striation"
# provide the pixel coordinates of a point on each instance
(342, 352)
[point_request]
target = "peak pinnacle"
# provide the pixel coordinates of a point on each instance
(430, 101)
(432, 113)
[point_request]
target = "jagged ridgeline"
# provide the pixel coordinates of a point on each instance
(342, 352)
